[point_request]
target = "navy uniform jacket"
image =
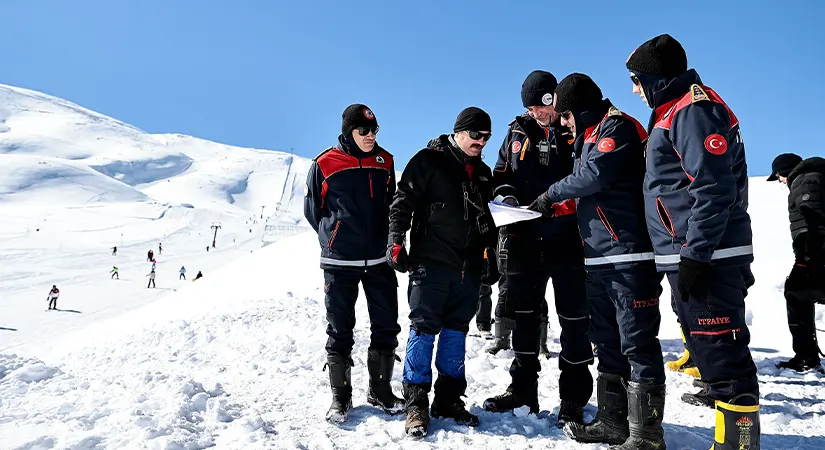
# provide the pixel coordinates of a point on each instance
(697, 178)
(607, 181)
(520, 173)
(347, 203)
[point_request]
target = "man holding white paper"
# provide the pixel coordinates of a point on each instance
(536, 153)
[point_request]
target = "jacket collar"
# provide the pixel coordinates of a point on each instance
(659, 90)
(814, 164)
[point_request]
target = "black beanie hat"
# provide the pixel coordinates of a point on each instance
(537, 89)
(661, 56)
(783, 165)
(577, 91)
(355, 116)
(473, 119)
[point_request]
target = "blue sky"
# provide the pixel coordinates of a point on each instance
(278, 74)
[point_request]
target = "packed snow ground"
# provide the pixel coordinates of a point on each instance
(234, 360)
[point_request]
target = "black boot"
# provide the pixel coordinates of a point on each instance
(737, 424)
(501, 338)
(341, 382)
(417, 404)
(646, 405)
(543, 350)
(511, 400)
(379, 365)
(610, 425)
(448, 403)
(701, 398)
(569, 412)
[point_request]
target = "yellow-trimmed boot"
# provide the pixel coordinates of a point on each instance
(684, 363)
(737, 426)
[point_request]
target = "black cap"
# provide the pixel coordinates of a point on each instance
(661, 56)
(783, 165)
(577, 91)
(537, 89)
(355, 116)
(473, 119)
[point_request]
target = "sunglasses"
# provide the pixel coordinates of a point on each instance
(476, 135)
(363, 131)
(635, 80)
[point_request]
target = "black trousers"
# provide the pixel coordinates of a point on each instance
(716, 334)
(381, 290)
(441, 297)
(529, 269)
(485, 308)
(801, 315)
(151, 283)
(625, 320)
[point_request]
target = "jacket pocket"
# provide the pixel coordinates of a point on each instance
(334, 233)
(606, 223)
(664, 216)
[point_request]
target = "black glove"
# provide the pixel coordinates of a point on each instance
(490, 275)
(799, 279)
(694, 279)
(543, 205)
(397, 253)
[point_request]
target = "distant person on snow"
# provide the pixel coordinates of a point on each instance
(154, 264)
(150, 256)
(151, 276)
(52, 297)
(348, 193)
(182, 273)
(805, 285)
(207, 249)
(114, 251)
(198, 276)
(114, 272)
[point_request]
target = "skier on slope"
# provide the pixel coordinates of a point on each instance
(182, 273)
(160, 248)
(696, 188)
(154, 264)
(198, 276)
(805, 285)
(114, 251)
(114, 272)
(150, 255)
(348, 192)
(151, 276)
(52, 297)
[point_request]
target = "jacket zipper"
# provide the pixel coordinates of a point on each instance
(605, 222)
(660, 209)
(334, 233)
(371, 194)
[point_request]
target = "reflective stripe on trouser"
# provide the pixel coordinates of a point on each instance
(624, 322)
(717, 254)
(528, 291)
(381, 292)
(716, 333)
(353, 263)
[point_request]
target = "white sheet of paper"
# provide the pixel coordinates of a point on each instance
(504, 214)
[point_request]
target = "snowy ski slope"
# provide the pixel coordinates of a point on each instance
(234, 360)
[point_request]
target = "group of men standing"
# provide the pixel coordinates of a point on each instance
(622, 206)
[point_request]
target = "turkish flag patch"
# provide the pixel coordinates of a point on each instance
(516, 146)
(606, 145)
(716, 144)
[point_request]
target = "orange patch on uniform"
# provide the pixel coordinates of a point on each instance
(606, 145)
(716, 144)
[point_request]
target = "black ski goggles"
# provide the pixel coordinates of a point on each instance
(363, 131)
(476, 135)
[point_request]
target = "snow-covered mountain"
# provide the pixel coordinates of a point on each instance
(234, 360)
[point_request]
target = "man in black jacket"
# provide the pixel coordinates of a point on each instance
(535, 154)
(806, 284)
(349, 189)
(442, 200)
